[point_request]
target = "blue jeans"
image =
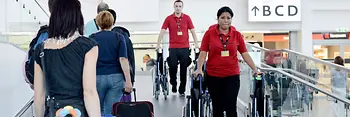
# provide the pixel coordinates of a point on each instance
(109, 88)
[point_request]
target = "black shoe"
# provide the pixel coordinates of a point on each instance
(174, 90)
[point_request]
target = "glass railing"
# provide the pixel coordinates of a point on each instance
(327, 75)
(293, 96)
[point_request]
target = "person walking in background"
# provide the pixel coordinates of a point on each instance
(150, 62)
(113, 72)
(65, 65)
(222, 42)
(178, 23)
(91, 26)
(339, 84)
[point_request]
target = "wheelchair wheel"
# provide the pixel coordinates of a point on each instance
(157, 88)
(208, 108)
(154, 82)
(188, 107)
(184, 112)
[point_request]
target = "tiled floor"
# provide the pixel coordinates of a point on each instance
(172, 107)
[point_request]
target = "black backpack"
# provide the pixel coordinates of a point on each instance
(29, 63)
(130, 49)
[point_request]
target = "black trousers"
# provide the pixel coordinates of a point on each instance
(176, 56)
(224, 93)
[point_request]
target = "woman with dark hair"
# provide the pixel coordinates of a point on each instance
(339, 84)
(221, 42)
(65, 66)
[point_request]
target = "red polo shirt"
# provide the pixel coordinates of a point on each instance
(172, 22)
(217, 65)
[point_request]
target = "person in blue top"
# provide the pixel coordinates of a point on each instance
(91, 26)
(113, 72)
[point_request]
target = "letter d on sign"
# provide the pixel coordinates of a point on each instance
(289, 10)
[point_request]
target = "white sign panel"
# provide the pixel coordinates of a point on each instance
(274, 10)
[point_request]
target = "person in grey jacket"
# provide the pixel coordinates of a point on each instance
(339, 84)
(150, 63)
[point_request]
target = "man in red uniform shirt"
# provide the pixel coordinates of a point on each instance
(178, 24)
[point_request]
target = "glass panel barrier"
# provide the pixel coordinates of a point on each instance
(293, 97)
(316, 71)
(328, 75)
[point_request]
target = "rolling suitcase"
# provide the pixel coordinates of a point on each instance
(133, 109)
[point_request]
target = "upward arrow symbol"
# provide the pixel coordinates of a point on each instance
(255, 9)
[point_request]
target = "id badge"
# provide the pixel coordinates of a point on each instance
(179, 33)
(225, 53)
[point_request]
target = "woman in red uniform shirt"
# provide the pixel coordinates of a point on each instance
(221, 42)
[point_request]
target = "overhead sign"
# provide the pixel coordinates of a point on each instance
(336, 35)
(274, 10)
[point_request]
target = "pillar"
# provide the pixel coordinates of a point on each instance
(305, 34)
(293, 41)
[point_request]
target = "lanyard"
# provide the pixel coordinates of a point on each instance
(178, 24)
(224, 43)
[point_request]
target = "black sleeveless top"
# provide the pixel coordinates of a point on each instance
(64, 68)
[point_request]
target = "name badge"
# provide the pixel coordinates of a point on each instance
(225, 53)
(179, 33)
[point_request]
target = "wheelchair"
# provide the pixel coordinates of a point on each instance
(260, 105)
(199, 102)
(160, 78)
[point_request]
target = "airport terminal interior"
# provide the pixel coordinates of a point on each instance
(303, 37)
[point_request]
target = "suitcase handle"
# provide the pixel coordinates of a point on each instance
(127, 93)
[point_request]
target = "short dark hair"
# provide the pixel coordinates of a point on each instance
(178, 1)
(114, 14)
(102, 7)
(66, 18)
(224, 9)
(339, 60)
(51, 3)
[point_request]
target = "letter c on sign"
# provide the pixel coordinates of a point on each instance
(276, 10)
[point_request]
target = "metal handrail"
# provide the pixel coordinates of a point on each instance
(258, 47)
(318, 60)
(342, 99)
(36, 1)
(25, 108)
(309, 57)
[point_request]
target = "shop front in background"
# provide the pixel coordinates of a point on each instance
(328, 45)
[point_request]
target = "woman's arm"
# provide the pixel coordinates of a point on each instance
(203, 53)
(126, 68)
(202, 57)
(124, 62)
(91, 100)
(249, 61)
(39, 91)
(244, 52)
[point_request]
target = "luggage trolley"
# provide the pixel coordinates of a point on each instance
(160, 79)
(199, 102)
